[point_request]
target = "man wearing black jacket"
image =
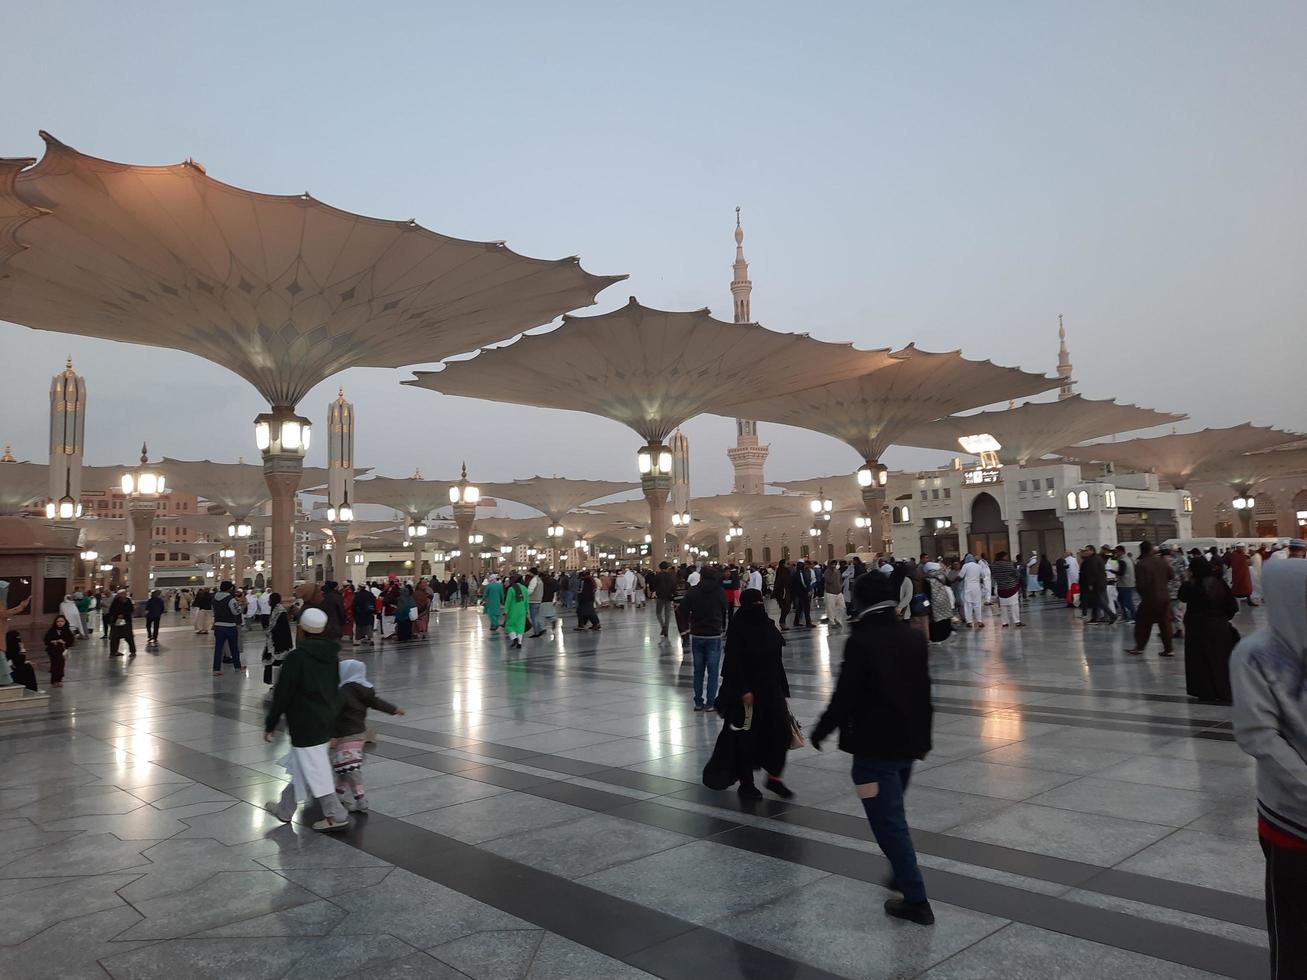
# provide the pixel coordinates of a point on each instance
(1093, 588)
(226, 627)
(120, 624)
(882, 708)
(705, 608)
(664, 589)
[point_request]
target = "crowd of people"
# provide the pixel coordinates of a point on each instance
(881, 707)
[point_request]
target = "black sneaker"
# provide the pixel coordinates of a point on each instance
(919, 912)
(748, 791)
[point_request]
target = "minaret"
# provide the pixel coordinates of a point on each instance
(340, 452)
(1063, 362)
(680, 447)
(340, 479)
(67, 431)
(747, 457)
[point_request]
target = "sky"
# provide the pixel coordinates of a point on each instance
(950, 174)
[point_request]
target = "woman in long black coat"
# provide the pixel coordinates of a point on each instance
(1208, 636)
(753, 679)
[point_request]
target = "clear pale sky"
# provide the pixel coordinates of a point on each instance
(955, 174)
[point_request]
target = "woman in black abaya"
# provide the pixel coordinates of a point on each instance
(1208, 636)
(753, 679)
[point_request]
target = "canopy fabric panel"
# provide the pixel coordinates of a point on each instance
(1249, 469)
(22, 484)
(412, 496)
(283, 290)
(238, 488)
(554, 496)
(1035, 429)
(842, 489)
(871, 411)
(651, 370)
(1175, 457)
(748, 508)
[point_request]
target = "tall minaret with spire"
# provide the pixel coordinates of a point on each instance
(1063, 362)
(747, 456)
(340, 452)
(67, 432)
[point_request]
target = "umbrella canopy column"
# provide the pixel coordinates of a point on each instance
(283, 438)
(655, 462)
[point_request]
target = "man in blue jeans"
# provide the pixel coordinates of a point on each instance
(882, 708)
(226, 627)
(705, 607)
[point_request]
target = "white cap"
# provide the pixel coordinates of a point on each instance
(313, 620)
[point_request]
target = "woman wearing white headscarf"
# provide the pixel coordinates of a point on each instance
(68, 610)
(357, 695)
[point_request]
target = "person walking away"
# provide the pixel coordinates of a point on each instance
(202, 612)
(1007, 583)
(21, 670)
(801, 590)
(1093, 587)
(731, 586)
(882, 709)
(1179, 571)
(405, 614)
(264, 606)
(280, 639)
(548, 612)
(834, 589)
(781, 590)
(754, 684)
(307, 695)
(1125, 583)
(492, 596)
(1268, 674)
(154, 610)
(585, 602)
(664, 594)
(357, 695)
(1047, 579)
(119, 619)
(365, 611)
(251, 613)
(535, 595)
(516, 601)
(972, 577)
(705, 608)
(941, 603)
(422, 601)
(59, 639)
(1210, 637)
(1241, 575)
(226, 628)
(1153, 574)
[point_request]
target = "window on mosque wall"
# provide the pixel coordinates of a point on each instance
(948, 493)
(934, 494)
(1048, 483)
(1083, 498)
(923, 494)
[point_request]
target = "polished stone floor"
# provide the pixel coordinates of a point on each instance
(539, 814)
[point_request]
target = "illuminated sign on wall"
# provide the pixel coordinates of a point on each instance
(978, 477)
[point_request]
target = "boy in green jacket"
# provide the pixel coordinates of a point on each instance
(307, 693)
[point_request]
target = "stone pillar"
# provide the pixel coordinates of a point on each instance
(339, 551)
(657, 500)
(142, 513)
(417, 557)
(241, 546)
(873, 500)
(282, 473)
(464, 516)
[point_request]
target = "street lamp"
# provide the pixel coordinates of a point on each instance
(873, 475)
(505, 549)
(464, 496)
(239, 530)
(283, 438)
(475, 538)
(680, 518)
(554, 531)
(66, 507)
(655, 465)
(342, 514)
(417, 529)
(1244, 503)
(142, 487)
(821, 506)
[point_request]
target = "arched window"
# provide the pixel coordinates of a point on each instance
(1071, 503)
(1083, 499)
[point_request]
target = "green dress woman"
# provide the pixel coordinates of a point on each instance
(492, 594)
(515, 610)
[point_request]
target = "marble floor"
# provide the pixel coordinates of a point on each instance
(539, 813)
